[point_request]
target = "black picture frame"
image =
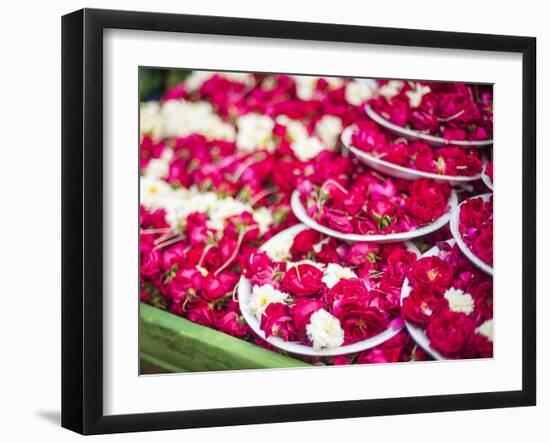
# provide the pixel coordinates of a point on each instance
(82, 218)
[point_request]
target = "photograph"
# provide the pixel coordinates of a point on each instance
(299, 221)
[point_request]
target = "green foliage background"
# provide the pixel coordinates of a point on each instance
(154, 82)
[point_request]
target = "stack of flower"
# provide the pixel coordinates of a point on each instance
(366, 203)
(453, 301)
(476, 227)
(371, 138)
(454, 111)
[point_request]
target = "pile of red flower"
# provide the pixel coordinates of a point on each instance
(476, 227)
(369, 137)
(454, 111)
(222, 153)
(367, 203)
(453, 302)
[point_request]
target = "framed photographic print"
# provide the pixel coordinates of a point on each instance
(270, 221)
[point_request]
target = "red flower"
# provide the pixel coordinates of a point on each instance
(358, 320)
(450, 333)
(216, 286)
(304, 241)
(149, 264)
(203, 315)
(254, 263)
(422, 304)
(303, 280)
(483, 297)
(483, 245)
(276, 321)
(392, 350)
(347, 288)
(232, 324)
(431, 272)
(399, 263)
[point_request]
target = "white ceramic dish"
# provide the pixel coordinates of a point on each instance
(300, 213)
(454, 222)
(487, 180)
(411, 134)
(399, 171)
(417, 333)
(245, 290)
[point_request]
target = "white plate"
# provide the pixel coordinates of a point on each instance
(417, 333)
(411, 134)
(487, 180)
(455, 221)
(399, 171)
(245, 290)
(300, 213)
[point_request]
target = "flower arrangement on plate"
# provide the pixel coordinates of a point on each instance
(472, 228)
(438, 113)
(410, 160)
(447, 305)
(310, 294)
(365, 206)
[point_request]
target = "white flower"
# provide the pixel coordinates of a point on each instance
(391, 88)
(416, 93)
(334, 273)
(224, 209)
(305, 86)
(239, 77)
(486, 329)
(154, 193)
(262, 296)
(328, 129)
(255, 131)
(195, 80)
(264, 218)
(295, 129)
(307, 148)
(150, 120)
(157, 168)
(459, 301)
(181, 118)
(279, 250)
(357, 92)
(334, 82)
(324, 330)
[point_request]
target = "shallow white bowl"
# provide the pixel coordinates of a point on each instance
(411, 134)
(399, 171)
(487, 180)
(245, 290)
(417, 333)
(454, 222)
(300, 213)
